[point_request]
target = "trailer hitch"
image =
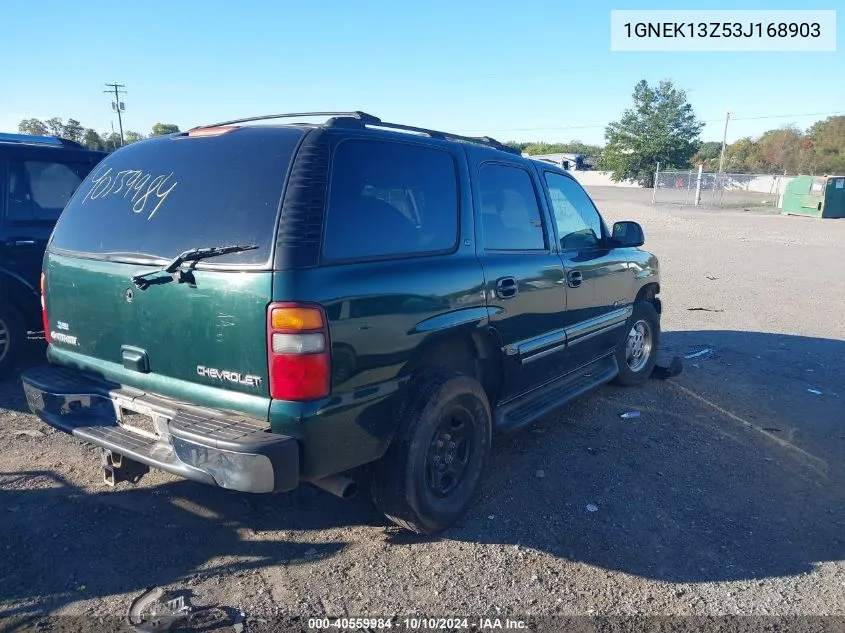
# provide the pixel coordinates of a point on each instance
(117, 468)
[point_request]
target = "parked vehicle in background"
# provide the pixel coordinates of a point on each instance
(38, 175)
(347, 293)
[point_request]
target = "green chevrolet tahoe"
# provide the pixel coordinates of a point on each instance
(253, 306)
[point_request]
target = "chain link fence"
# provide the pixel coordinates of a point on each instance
(718, 189)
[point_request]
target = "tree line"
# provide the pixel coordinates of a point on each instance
(73, 130)
(787, 150)
(661, 127)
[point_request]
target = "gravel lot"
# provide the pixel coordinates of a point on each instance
(724, 497)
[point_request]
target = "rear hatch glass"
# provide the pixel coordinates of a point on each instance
(163, 196)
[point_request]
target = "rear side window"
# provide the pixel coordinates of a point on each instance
(390, 199)
(167, 195)
(39, 190)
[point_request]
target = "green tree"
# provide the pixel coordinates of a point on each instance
(827, 139)
(55, 126)
(92, 140)
(161, 129)
(111, 141)
(132, 137)
(743, 156)
(780, 150)
(73, 130)
(32, 126)
(661, 127)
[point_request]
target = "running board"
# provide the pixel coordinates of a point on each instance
(532, 406)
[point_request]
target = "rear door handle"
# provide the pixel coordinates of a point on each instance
(574, 278)
(506, 287)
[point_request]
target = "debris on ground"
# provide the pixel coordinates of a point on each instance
(671, 370)
(238, 626)
(711, 278)
(705, 310)
(591, 507)
(150, 613)
(541, 474)
(29, 433)
(704, 352)
(815, 391)
(630, 414)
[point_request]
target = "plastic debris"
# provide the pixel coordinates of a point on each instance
(491, 517)
(29, 432)
(541, 474)
(702, 352)
(630, 414)
(150, 613)
(815, 391)
(591, 507)
(669, 371)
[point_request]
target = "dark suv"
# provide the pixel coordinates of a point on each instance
(38, 174)
(257, 306)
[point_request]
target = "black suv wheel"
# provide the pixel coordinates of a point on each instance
(637, 354)
(430, 474)
(12, 338)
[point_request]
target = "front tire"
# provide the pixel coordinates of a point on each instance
(430, 474)
(637, 353)
(12, 338)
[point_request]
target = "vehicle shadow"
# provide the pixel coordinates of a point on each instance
(733, 470)
(11, 392)
(68, 544)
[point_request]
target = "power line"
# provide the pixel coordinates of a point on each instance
(604, 125)
(117, 104)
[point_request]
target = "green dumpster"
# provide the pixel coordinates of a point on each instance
(816, 196)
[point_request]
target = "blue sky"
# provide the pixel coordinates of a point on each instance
(523, 71)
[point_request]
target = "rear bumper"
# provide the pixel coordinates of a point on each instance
(207, 446)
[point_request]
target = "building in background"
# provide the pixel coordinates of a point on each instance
(571, 162)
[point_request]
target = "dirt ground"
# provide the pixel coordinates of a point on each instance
(725, 496)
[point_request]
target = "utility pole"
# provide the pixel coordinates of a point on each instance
(724, 139)
(117, 104)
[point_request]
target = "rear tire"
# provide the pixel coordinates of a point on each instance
(637, 353)
(12, 338)
(430, 474)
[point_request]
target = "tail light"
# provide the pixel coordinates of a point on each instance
(44, 309)
(298, 351)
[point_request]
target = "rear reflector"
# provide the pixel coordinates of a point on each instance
(298, 352)
(44, 318)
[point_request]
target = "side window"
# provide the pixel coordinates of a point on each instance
(39, 190)
(390, 199)
(578, 223)
(510, 215)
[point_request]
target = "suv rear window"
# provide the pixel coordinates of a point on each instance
(390, 198)
(164, 196)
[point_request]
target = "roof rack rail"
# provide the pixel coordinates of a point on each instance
(358, 118)
(448, 136)
(55, 141)
(362, 116)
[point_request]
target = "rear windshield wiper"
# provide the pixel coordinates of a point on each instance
(174, 268)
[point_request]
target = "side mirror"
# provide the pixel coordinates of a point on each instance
(627, 235)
